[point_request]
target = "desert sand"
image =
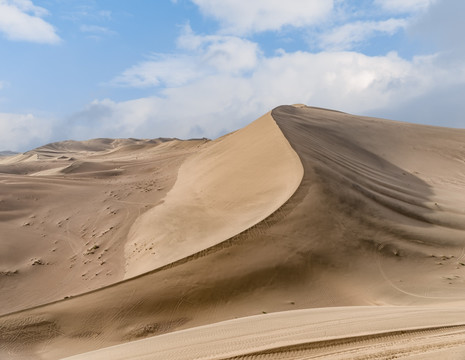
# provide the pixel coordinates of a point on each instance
(309, 233)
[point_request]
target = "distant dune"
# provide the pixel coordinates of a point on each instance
(309, 233)
(7, 153)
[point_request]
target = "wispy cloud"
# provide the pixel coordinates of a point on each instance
(161, 69)
(404, 6)
(200, 56)
(96, 29)
(243, 17)
(348, 36)
(96, 32)
(86, 11)
(21, 20)
(105, 14)
(28, 6)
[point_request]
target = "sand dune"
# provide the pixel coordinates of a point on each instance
(7, 153)
(255, 164)
(308, 234)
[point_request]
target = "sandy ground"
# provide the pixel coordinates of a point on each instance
(309, 233)
(342, 333)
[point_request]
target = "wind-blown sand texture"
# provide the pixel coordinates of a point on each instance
(310, 233)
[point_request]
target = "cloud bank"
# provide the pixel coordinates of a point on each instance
(23, 132)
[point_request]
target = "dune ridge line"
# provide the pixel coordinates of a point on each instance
(228, 186)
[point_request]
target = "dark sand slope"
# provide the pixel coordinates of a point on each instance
(378, 219)
(392, 197)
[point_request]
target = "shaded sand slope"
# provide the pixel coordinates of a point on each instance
(376, 220)
(392, 194)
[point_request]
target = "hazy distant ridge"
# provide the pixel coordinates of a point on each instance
(7, 153)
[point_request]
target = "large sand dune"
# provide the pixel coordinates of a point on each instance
(310, 233)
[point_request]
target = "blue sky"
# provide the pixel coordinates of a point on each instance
(80, 69)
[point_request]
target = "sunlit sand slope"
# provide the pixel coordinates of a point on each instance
(225, 188)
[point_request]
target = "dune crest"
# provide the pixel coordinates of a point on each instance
(228, 186)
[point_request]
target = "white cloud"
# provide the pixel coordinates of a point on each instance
(333, 78)
(20, 132)
(221, 101)
(205, 108)
(20, 20)
(349, 35)
(162, 69)
(96, 32)
(241, 17)
(404, 6)
(224, 53)
(28, 6)
(348, 81)
(106, 118)
(95, 29)
(203, 56)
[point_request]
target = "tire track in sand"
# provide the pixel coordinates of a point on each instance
(388, 345)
